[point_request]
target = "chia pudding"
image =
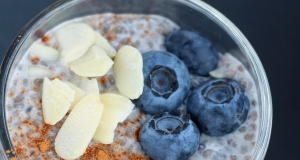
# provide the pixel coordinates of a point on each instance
(32, 138)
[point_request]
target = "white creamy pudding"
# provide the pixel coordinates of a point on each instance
(32, 138)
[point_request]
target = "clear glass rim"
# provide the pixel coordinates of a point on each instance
(266, 116)
(220, 19)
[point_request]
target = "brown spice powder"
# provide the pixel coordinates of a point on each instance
(137, 133)
(34, 60)
(102, 80)
(11, 94)
(23, 90)
(44, 145)
(45, 39)
(240, 68)
(35, 89)
(103, 155)
(19, 150)
(46, 128)
(135, 157)
(58, 77)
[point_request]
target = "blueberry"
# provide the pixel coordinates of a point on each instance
(177, 38)
(218, 107)
(166, 82)
(195, 51)
(170, 136)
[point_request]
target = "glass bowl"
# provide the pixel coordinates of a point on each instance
(192, 14)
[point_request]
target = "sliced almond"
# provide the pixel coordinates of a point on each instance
(74, 39)
(39, 72)
(56, 100)
(94, 63)
(44, 52)
(90, 86)
(128, 69)
(217, 73)
(116, 109)
(79, 94)
(64, 88)
(76, 133)
(105, 45)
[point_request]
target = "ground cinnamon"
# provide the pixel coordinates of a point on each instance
(102, 155)
(44, 145)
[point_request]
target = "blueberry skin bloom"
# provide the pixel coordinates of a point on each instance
(176, 39)
(200, 56)
(166, 82)
(170, 136)
(195, 51)
(218, 107)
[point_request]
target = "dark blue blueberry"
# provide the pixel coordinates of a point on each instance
(170, 136)
(178, 38)
(166, 82)
(195, 51)
(218, 107)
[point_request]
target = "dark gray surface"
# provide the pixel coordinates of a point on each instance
(14, 15)
(272, 27)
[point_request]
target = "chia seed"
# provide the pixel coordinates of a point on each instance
(237, 145)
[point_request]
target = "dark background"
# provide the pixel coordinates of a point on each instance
(271, 26)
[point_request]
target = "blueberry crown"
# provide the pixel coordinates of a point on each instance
(166, 123)
(163, 81)
(219, 92)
